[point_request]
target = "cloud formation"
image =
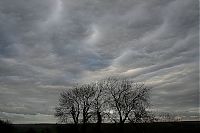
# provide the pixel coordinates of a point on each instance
(48, 45)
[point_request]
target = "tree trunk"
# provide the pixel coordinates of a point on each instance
(99, 121)
(121, 127)
(99, 117)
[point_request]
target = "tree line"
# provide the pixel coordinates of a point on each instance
(112, 100)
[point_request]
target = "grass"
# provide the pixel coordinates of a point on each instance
(159, 127)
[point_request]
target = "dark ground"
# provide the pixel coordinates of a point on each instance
(164, 127)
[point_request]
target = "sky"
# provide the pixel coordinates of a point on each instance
(46, 46)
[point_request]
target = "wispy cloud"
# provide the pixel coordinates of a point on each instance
(48, 45)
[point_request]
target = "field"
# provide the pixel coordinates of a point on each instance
(161, 127)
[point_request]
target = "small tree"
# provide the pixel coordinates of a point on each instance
(141, 115)
(166, 117)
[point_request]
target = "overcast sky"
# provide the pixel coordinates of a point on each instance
(48, 45)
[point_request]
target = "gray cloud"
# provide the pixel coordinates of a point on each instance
(48, 45)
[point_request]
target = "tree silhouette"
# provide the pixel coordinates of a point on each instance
(76, 104)
(69, 106)
(121, 100)
(86, 97)
(100, 101)
(126, 98)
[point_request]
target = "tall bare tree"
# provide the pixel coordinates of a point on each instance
(76, 104)
(86, 97)
(125, 97)
(100, 101)
(120, 99)
(69, 106)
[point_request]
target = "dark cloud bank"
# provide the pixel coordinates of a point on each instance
(47, 45)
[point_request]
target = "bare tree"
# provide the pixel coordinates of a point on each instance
(76, 104)
(141, 115)
(69, 106)
(138, 115)
(86, 97)
(100, 102)
(121, 100)
(125, 97)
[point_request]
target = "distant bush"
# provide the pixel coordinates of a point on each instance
(5, 122)
(6, 126)
(167, 117)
